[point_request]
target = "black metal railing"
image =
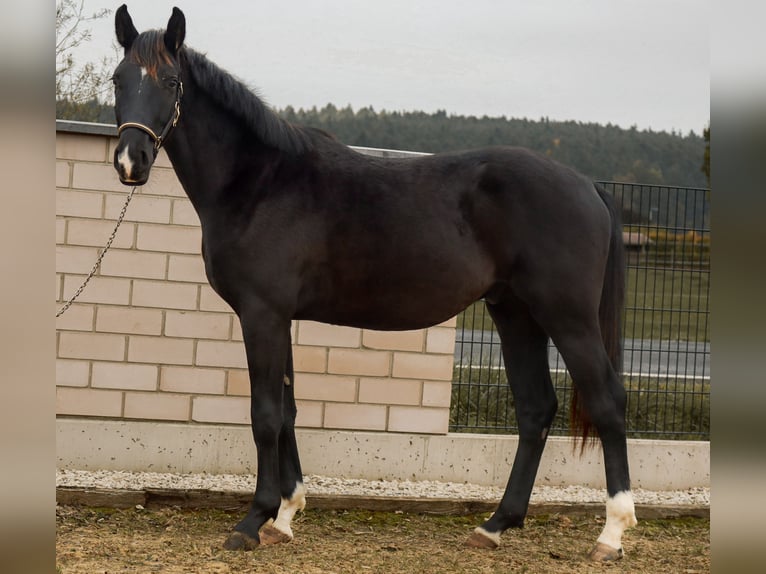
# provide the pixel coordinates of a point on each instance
(666, 344)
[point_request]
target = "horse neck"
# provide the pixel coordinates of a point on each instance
(207, 150)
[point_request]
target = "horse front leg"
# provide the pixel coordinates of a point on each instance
(290, 474)
(267, 344)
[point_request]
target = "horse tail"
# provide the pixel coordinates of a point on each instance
(609, 315)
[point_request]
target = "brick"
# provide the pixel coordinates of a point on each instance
(161, 350)
(440, 340)
(108, 290)
(164, 295)
(186, 268)
(390, 391)
(81, 147)
(129, 320)
(88, 402)
(193, 380)
(97, 176)
(91, 346)
(157, 406)
(209, 300)
(418, 420)
(309, 359)
(312, 333)
(63, 170)
(122, 263)
(163, 181)
(232, 410)
(141, 208)
(238, 382)
(354, 416)
(197, 325)
(76, 318)
(430, 367)
(162, 159)
(79, 204)
(124, 376)
(236, 329)
(96, 233)
(72, 373)
(183, 213)
(60, 231)
(59, 285)
(437, 394)
(313, 387)
(221, 354)
(394, 340)
(75, 259)
(359, 362)
(169, 239)
(310, 414)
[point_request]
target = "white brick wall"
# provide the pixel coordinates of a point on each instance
(149, 339)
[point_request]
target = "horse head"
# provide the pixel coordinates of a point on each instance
(147, 93)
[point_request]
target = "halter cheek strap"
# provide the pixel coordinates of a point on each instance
(171, 123)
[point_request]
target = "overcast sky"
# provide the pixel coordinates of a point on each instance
(628, 62)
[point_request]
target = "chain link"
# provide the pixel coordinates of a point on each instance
(100, 256)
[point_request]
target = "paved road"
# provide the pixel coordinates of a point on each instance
(646, 357)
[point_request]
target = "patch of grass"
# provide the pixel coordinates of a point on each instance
(657, 408)
(661, 303)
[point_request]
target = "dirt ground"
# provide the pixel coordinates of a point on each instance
(176, 541)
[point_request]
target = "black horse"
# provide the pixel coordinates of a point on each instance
(296, 225)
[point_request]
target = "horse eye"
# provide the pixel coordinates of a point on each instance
(172, 82)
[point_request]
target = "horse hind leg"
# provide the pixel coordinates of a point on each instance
(525, 351)
(604, 399)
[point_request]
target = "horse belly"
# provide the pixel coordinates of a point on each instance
(401, 295)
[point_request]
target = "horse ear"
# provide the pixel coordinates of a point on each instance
(174, 35)
(123, 25)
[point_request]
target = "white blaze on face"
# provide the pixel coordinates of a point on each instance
(143, 77)
(123, 159)
(620, 514)
(288, 508)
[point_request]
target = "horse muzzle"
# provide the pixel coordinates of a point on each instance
(133, 158)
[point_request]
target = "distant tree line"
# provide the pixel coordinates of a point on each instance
(602, 152)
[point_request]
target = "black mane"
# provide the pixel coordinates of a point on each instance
(234, 96)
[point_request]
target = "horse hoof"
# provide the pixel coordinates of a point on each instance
(481, 539)
(240, 541)
(270, 535)
(604, 553)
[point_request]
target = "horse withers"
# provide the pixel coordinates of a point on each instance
(296, 225)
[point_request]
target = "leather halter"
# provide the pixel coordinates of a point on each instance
(171, 123)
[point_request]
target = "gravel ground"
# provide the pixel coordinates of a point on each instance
(325, 485)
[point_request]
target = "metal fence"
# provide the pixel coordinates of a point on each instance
(665, 328)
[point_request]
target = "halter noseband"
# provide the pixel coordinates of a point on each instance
(159, 139)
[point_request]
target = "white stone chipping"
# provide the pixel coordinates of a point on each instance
(322, 485)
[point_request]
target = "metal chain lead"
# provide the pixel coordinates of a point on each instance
(100, 256)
